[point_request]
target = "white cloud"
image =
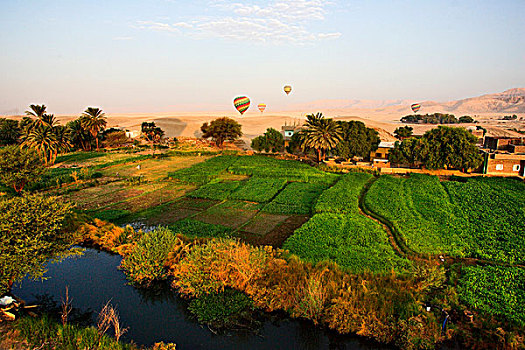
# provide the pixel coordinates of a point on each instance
(279, 22)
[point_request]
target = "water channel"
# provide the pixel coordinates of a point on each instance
(160, 315)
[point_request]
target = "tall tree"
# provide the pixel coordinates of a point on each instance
(19, 167)
(320, 134)
(43, 140)
(94, 120)
(36, 111)
(356, 140)
(78, 136)
(451, 148)
(221, 129)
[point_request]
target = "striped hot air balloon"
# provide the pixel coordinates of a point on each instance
(287, 89)
(242, 103)
(261, 106)
(415, 107)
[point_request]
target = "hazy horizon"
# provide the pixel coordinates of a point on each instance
(152, 56)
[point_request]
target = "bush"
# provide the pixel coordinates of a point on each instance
(145, 263)
(220, 310)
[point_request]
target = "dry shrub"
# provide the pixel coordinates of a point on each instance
(109, 236)
(108, 317)
(209, 267)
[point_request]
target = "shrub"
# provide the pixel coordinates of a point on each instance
(145, 262)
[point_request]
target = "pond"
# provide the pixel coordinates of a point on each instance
(161, 315)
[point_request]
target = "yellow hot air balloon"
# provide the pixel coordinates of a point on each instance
(287, 89)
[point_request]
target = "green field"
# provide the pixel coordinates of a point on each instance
(480, 218)
(496, 290)
(341, 234)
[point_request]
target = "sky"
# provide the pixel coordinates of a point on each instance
(143, 56)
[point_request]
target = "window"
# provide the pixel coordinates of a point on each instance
(499, 166)
(516, 167)
(379, 155)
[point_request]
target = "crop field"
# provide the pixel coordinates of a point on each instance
(343, 197)
(341, 234)
(258, 189)
(354, 242)
(230, 213)
(496, 290)
(194, 228)
(204, 172)
(263, 223)
(216, 190)
(296, 198)
(480, 218)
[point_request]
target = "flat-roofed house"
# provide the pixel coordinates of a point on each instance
(379, 157)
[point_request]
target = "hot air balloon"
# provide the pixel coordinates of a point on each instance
(242, 103)
(287, 89)
(261, 106)
(415, 107)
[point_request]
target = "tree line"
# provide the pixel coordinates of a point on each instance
(42, 132)
(436, 118)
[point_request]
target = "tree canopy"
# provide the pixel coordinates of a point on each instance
(221, 129)
(19, 167)
(9, 132)
(320, 134)
(440, 148)
(403, 132)
(271, 141)
(356, 140)
(31, 233)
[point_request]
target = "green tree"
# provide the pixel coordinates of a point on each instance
(403, 132)
(320, 134)
(449, 147)
(31, 233)
(9, 132)
(43, 140)
(94, 121)
(36, 111)
(221, 129)
(78, 136)
(356, 140)
(466, 119)
(411, 151)
(259, 143)
(271, 141)
(19, 167)
(151, 131)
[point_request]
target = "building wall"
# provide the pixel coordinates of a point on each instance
(504, 166)
(380, 153)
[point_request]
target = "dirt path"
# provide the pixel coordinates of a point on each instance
(393, 236)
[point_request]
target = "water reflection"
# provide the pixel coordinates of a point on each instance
(158, 314)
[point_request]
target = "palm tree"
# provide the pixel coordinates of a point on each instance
(43, 140)
(78, 135)
(320, 134)
(36, 111)
(62, 141)
(94, 120)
